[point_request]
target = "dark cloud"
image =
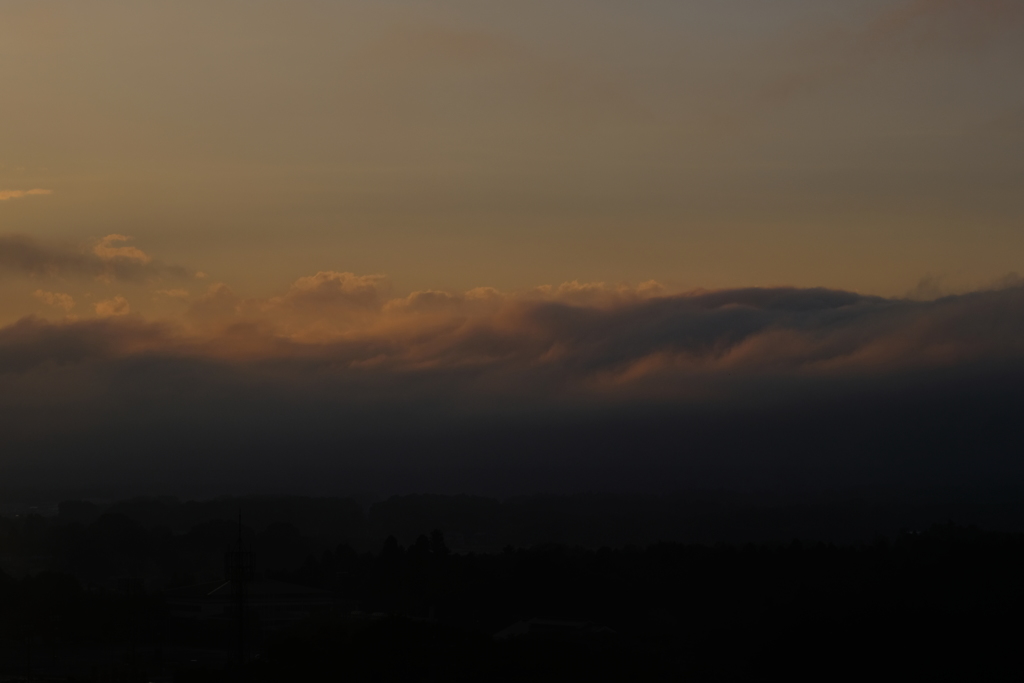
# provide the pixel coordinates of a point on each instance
(748, 332)
(32, 344)
(756, 387)
(24, 255)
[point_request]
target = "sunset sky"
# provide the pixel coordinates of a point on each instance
(496, 209)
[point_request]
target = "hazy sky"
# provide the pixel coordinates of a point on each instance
(233, 222)
(862, 145)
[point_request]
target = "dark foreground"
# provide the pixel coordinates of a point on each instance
(944, 602)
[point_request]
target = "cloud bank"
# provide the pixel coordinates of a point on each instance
(578, 385)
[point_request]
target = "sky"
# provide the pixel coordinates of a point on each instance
(361, 230)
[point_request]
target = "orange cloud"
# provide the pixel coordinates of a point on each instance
(174, 293)
(505, 378)
(635, 339)
(447, 364)
(112, 307)
(329, 288)
(56, 299)
(106, 251)
(18, 194)
(104, 261)
(585, 340)
(598, 293)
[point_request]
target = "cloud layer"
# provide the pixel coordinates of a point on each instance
(573, 342)
(601, 339)
(589, 385)
(600, 384)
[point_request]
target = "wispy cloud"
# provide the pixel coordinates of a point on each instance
(18, 194)
(174, 293)
(912, 26)
(57, 299)
(108, 252)
(111, 307)
(104, 260)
